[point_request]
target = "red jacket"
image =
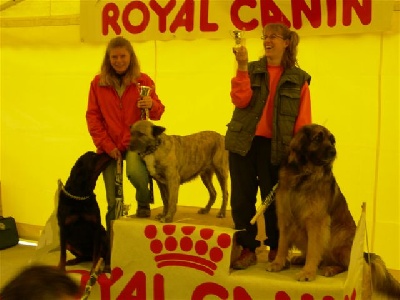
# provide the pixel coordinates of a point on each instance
(109, 117)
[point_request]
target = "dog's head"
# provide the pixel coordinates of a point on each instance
(144, 134)
(312, 145)
(83, 176)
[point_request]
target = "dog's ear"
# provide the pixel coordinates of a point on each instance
(299, 145)
(157, 130)
(102, 161)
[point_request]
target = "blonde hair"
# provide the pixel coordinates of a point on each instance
(289, 58)
(107, 74)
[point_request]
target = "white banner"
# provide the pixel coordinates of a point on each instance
(215, 19)
(192, 19)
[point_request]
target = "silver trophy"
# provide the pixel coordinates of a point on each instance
(144, 90)
(238, 36)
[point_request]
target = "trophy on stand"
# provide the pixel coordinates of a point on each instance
(144, 90)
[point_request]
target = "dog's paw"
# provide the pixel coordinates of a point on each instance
(298, 260)
(166, 219)
(221, 214)
(277, 265)
(159, 217)
(203, 211)
(306, 275)
(329, 271)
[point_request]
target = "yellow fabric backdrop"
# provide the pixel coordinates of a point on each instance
(45, 77)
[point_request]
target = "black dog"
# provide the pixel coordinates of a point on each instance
(78, 214)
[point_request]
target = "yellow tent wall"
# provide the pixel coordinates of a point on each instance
(45, 77)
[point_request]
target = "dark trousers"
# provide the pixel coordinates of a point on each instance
(248, 174)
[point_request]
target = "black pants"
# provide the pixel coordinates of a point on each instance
(248, 173)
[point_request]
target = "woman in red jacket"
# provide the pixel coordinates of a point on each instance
(114, 105)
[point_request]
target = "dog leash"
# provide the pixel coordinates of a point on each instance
(364, 211)
(92, 280)
(145, 91)
(119, 192)
(264, 205)
(62, 187)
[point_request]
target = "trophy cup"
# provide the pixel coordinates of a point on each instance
(238, 36)
(144, 90)
(239, 42)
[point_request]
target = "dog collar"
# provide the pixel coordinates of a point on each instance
(62, 187)
(151, 149)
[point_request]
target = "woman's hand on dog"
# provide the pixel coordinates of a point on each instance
(115, 153)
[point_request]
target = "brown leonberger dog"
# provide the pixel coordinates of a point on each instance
(313, 215)
(173, 160)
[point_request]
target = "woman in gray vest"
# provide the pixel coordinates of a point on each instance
(272, 101)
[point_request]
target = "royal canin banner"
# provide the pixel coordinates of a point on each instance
(216, 19)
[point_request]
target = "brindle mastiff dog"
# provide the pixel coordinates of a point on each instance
(173, 160)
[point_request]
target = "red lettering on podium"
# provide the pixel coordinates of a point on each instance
(158, 287)
(135, 289)
(105, 283)
(209, 288)
(240, 293)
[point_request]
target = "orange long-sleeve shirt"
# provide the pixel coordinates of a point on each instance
(241, 95)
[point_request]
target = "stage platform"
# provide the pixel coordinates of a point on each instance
(190, 259)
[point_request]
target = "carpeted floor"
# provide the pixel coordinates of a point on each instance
(13, 259)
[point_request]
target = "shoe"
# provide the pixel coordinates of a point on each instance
(272, 254)
(143, 212)
(246, 259)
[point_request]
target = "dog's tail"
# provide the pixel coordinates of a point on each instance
(382, 281)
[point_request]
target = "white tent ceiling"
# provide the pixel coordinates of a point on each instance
(19, 13)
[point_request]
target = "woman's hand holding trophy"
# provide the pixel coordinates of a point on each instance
(240, 51)
(145, 102)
